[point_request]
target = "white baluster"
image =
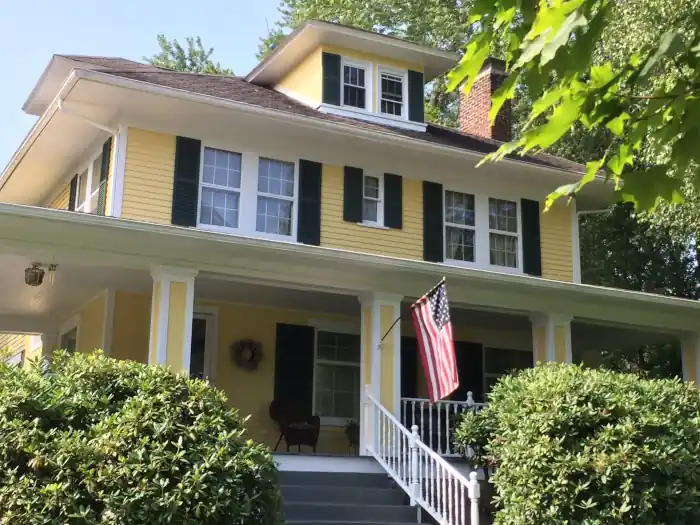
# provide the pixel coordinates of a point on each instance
(447, 428)
(470, 400)
(413, 413)
(414, 464)
(462, 513)
(430, 425)
(474, 494)
(439, 428)
(422, 422)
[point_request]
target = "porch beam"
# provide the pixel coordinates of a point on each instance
(172, 308)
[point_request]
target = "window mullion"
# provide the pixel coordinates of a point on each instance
(481, 231)
(249, 191)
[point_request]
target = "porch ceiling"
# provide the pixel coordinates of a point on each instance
(45, 235)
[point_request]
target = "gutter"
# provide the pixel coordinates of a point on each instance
(326, 254)
(310, 122)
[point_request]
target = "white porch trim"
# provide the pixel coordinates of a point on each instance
(329, 463)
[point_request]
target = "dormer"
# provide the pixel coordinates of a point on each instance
(354, 73)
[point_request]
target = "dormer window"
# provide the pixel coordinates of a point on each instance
(354, 85)
(391, 93)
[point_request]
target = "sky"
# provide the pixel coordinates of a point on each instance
(31, 31)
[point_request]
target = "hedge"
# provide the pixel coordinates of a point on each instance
(579, 446)
(93, 440)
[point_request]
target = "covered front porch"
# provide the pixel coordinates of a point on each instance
(190, 299)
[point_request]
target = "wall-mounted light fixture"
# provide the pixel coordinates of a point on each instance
(34, 276)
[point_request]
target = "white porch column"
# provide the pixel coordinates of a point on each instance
(49, 342)
(380, 364)
(690, 351)
(172, 306)
(551, 338)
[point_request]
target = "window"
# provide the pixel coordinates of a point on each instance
(221, 185)
(354, 87)
(88, 192)
(275, 197)
(337, 375)
(460, 226)
(372, 193)
(391, 94)
(503, 233)
(69, 340)
(501, 361)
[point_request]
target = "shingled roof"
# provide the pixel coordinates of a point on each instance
(238, 89)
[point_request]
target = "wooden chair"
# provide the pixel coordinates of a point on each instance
(295, 427)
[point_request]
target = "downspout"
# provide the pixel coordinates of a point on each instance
(64, 109)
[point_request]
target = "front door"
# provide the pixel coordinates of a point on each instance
(198, 355)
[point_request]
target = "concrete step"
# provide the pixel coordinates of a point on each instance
(349, 512)
(339, 494)
(334, 479)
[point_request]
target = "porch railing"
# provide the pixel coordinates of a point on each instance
(428, 479)
(437, 422)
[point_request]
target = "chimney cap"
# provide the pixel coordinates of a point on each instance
(494, 64)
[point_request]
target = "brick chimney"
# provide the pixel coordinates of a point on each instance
(474, 109)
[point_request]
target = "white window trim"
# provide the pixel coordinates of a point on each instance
(87, 168)
(337, 328)
(404, 89)
(445, 224)
(380, 201)
(369, 83)
(248, 191)
(481, 235)
(516, 234)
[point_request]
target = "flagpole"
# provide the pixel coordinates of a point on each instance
(442, 281)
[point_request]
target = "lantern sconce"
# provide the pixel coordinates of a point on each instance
(34, 276)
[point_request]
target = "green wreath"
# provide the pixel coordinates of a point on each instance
(247, 354)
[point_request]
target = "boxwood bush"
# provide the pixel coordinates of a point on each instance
(94, 440)
(580, 446)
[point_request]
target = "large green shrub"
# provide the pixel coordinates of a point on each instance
(590, 447)
(95, 440)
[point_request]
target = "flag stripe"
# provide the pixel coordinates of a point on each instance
(431, 319)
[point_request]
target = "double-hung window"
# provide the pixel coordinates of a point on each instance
(372, 200)
(503, 233)
(337, 375)
(275, 197)
(88, 187)
(354, 86)
(247, 193)
(460, 226)
(220, 193)
(391, 94)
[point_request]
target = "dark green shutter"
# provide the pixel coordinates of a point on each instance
(416, 96)
(309, 225)
(393, 201)
(352, 194)
(331, 79)
(432, 222)
(104, 174)
(294, 366)
(73, 195)
(532, 257)
(470, 370)
(186, 183)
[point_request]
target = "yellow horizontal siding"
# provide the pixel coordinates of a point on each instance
(556, 243)
(336, 233)
(306, 78)
(13, 342)
(61, 201)
(148, 176)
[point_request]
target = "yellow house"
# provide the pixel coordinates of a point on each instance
(266, 231)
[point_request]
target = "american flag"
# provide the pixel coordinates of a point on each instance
(431, 318)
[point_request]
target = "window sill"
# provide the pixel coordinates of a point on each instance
(377, 118)
(488, 267)
(241, 233)
(337, 422)
(372, 225)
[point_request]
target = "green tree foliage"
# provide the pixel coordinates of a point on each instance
(194, 59)
(92, 440)
(589, 447)
(645, 94)
(619, 251)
